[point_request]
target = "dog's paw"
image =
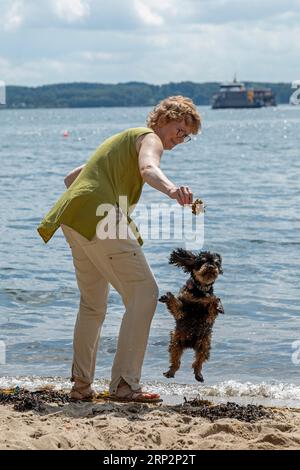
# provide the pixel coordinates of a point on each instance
(169, 374)
(165, 298)
(199, 377)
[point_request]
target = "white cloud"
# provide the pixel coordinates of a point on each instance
(32, 72)
(133, 14)
(13, 17)
(147, 15)
(95, 56)
(90, 14)
(156, 41)
(71, 10)
(237, 11)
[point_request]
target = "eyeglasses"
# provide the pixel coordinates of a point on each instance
(186, 138)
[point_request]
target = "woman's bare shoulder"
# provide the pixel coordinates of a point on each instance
(150, 139)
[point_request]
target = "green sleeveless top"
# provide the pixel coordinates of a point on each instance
(112, 171)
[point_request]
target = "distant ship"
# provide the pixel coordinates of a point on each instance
(235, 95)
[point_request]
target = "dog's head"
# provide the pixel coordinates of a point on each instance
(205, 266)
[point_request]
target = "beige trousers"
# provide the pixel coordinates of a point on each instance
(122, 264)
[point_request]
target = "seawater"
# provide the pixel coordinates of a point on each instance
(245, 165)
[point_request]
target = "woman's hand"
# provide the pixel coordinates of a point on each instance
(183, 195)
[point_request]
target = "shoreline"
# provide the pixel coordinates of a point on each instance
(272, 394)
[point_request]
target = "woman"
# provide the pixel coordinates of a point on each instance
(119, 167)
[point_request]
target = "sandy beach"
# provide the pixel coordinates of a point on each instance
(106, 425)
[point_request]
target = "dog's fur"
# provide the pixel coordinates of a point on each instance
(194, 309)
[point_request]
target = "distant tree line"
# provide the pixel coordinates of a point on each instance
(79, 95)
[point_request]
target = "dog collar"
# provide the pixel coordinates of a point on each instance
(195, 284)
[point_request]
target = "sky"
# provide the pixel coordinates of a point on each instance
(155, 41)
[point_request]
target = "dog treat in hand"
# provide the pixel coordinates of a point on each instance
(198, 207)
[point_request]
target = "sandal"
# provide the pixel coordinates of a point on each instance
(81, 391)
(75, 395)
(128, 395)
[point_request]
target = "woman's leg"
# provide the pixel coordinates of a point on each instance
(122, 263)
(140, 300)
(94, 291)
(126, 268)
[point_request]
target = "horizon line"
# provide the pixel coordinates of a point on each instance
(144, 83)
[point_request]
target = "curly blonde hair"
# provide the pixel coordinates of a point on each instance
(175, 108)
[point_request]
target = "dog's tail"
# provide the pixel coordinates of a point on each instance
(183, 259)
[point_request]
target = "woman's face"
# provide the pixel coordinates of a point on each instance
(173, 133)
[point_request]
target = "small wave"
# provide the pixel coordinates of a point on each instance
(272, 242)
(279, 391)
(34, 383)
(34, 297)
(283, 392)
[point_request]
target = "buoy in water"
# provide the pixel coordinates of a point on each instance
(66, 134)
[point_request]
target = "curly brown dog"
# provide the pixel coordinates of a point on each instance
(194, 309)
